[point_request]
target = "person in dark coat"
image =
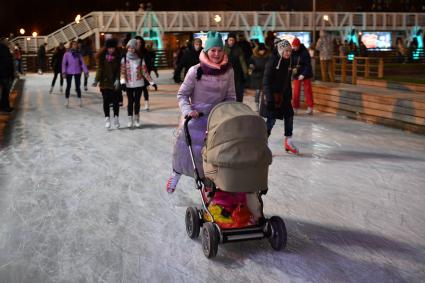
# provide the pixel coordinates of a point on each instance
(257, 65)
(41, 54)
(237, 61)
(108, 78)
(190, 58)
(276, 98)
(7, 74)
(57, 66)
(301, 73)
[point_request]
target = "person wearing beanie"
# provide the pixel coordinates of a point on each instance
(257, 65)
(190, 58)
(237, 61)
(277, 92)
(72, 67)
(150, 64)
(301, 73)
(108, 79)
(133, 74)
(205, 85)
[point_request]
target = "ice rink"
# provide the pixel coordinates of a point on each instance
(79, 203)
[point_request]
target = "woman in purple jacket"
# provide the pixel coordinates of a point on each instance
(206, 85)
(72, 66)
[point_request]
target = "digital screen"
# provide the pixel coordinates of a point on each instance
(303, 36)
(378, 40)
(203, 37)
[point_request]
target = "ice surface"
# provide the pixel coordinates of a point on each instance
(79, 203)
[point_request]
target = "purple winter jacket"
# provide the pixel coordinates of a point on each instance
(202, 96)
(73, 63)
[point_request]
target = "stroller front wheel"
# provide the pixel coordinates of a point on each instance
(192, 222)
(210, 240)
(277, 233)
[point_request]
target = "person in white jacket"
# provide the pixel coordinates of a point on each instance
(133, 72)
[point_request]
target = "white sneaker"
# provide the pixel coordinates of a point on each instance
(40, 72)
(67, 102)
(309, 111)
(51, 90)
(80, 102)
(130, 121)
(117, 122)
(137, 121)
(147, 105)
(107, 122)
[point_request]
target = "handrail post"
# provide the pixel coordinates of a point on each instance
(381, 68)
(354, 72)
(343, 70)
(333, 64)
(366, 68)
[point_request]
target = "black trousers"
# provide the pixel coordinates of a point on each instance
(145, 93)
(4, 91)
(77, 78)
(110, 96)
(288, 119)
(239, 88)
(55, 76)
(134, 95)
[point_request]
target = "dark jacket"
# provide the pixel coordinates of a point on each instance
(190, 58)
(237, 61)
(259, 63)
(277, 89)
(6, 63)
(301, 62)
(41, 53)
(57, 60)
(108, 72)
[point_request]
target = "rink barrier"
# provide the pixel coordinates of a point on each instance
(399, 109)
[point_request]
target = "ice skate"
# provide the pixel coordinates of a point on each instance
(117, 122)
(309, 111)
(295, 111)
(172, 182)
(66, 102)
(147, 105)
(137, 121)
(80, 102)
(130, 122)
(107, 122)
(290, 147)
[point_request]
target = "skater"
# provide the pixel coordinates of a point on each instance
(133, 73)
(190, 58)
(57, 66)
(324, 46)
(276, 98)
(17, 54)
(206, 84)
(86, 53)
(7, 75)
(150, 65)
(301, 74)
(237, 61)
(257, 65)
(41, 54)
(108, 78)
(73, 66)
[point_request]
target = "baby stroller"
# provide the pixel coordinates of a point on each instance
(235, 160)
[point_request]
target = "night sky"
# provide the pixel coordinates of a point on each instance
(47, 16)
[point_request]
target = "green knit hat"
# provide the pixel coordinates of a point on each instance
(213, 40)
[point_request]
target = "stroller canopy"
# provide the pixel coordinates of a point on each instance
(236, 156)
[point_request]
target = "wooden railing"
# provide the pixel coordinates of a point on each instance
(347, 71)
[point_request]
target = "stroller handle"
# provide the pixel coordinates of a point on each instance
(187, 119)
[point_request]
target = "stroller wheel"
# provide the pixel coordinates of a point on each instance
(192, 222)
(277, 233)
(209, 240)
